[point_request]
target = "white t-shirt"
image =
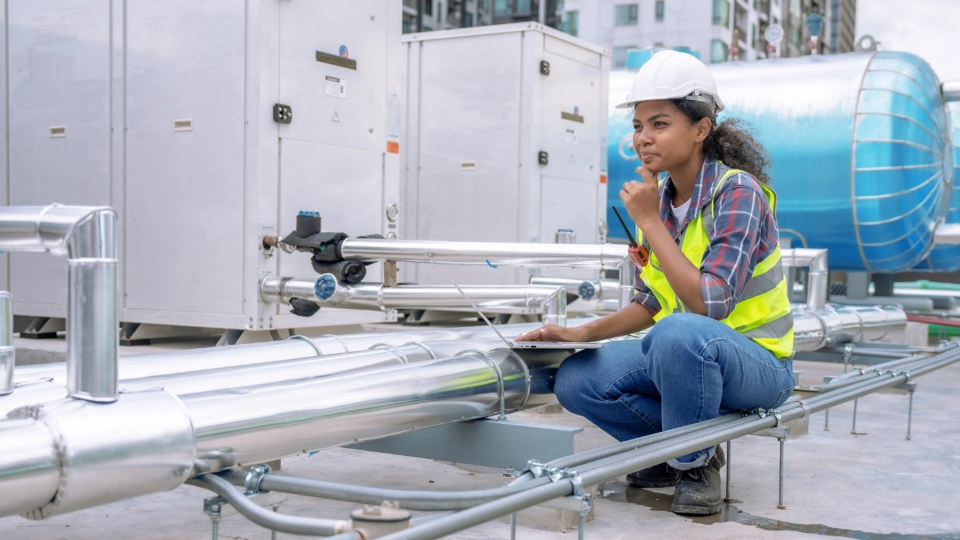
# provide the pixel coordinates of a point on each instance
(680, 212)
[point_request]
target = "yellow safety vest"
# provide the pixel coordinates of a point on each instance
(763, 311)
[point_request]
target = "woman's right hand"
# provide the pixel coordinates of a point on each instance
(552, 332)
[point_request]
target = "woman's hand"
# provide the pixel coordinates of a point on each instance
(552, 332)
(642, 199)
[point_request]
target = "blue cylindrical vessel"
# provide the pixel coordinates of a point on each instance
(947, 258)
(862, 160)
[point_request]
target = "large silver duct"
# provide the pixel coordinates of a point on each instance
(607, 256)
(72, 454)
(149, 440)
(87, 235)
(257, 424)
(167, 363)
(325, 290)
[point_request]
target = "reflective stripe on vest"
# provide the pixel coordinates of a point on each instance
(763, 311)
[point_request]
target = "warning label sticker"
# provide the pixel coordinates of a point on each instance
(336, 87)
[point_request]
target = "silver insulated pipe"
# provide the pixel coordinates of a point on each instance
(607, 256)
(87, 235)
(326, 290)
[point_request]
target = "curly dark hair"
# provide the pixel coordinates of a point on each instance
(730, 142)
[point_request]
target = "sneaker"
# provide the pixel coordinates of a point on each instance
(661, 475)
(698, 491)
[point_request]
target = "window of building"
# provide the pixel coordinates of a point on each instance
(625, 15)
(721, 13)
(467, 19)
(571, 22)
(718, 51)
(795, 8)
(659, 15)
(428, 8)
(753, 36)
(619, 56)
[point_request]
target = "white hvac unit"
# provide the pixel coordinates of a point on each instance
(206, 125)
(505, 141)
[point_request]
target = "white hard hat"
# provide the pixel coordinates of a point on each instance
(673, 75)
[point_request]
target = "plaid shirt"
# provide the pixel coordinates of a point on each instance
(744, 233)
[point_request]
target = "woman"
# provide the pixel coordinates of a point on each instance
(713, 289)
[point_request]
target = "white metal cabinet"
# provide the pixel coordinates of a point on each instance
(168, 112)
(478, 113)
(58, 113)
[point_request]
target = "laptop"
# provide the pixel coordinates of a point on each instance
(527, 345)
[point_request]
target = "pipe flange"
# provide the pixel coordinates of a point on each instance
(432, 354)
(308, 340)
(392, 348)
(251, 483)
(776, 414)
(906, 376)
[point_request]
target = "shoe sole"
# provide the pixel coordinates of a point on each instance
(696, 510)
(653, 484)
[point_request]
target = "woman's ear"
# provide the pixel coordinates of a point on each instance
(703, 129)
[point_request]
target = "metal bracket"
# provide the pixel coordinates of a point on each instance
(847, 355)
(544, 67)
(251, 484)
(282, 114)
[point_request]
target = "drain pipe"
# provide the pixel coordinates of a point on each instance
(326, 290)
(87, 235)
(8, 354)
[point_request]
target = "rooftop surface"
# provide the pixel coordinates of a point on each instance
(872, 484)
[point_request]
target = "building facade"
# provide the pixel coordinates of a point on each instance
(711, 27)
(430, 15)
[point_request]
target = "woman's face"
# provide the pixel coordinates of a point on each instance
(663, 137)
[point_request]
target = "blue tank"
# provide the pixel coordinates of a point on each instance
(947, 258)
(862, 159)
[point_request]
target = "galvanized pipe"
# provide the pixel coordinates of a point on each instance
(272, 520)
(8, 353)
(87, 235)
(606, 256)
(432, 501)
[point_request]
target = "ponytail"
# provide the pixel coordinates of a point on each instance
(730, 141)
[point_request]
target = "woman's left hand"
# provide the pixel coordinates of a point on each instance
(642, 199)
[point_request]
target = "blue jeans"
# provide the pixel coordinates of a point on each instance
(687, 369)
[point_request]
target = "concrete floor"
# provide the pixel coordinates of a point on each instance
(871, 485)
